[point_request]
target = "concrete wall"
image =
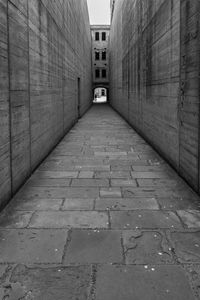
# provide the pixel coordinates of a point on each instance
(154, 80)
(44, 47)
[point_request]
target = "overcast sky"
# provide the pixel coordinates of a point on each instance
(99, 11)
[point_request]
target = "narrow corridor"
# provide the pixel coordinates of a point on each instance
(104, 217)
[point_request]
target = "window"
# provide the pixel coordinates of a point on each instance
(97, 73)
(103, 35)
(103, 73)
(104, 55)
(97, 36)
(97, 56)
(102, 92)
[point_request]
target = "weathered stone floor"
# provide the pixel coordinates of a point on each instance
(103, 218)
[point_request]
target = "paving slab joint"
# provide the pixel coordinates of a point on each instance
(109, 219)
(180, 219)
(68, 240)
(92, 288)
(29, 222)
(172, 247)
(6, 274)
(62, 204)
(123, 250)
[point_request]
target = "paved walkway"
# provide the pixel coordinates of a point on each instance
(103, 218)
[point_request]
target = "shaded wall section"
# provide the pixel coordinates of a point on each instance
(45, 46)
(154, 76)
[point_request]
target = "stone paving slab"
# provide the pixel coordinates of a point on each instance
(86, 174)
(143, 247)
(68, 219)
(163, 169)
(35, 204)
(160, 182)
(15, 219)
(58, 182)
(123, 182)
(149, 175)
(191, 218)
(113, 174)
(126, 204)
(193, 274)
(110, 192)
(90, 182)
(163, 192)
(32, 246)
(144, 219)
(50, 283)
(55, 192)
(167, 203)
(186, 246)
(142, 282)
(97, 246)
(78, 204)
(52, 174)
(107, 204)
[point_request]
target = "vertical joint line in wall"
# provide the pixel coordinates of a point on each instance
(9, 100)
(29, 94)
(63, 81)
(198, 29)
(180, 78)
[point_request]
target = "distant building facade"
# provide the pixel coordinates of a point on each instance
(100, 36)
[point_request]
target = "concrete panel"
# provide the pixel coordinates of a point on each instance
(5, 178)
(19, 92)
(45, 46)
(154, 66)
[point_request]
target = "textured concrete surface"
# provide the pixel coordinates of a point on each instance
(103, 217)
(154, 76)
(45, 82)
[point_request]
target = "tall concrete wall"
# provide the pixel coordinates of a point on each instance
(45, 46)
(154, 76)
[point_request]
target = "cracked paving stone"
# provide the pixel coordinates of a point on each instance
(146, 248)
(63, 283)
(191, 218)
(3, 269)
(193, 273)
(15, 219)
(68, 219)
(126, 204)
(144, 219)
(136, 282)
(32, 246)
(186, 245)
(94, 246)
(13, 291)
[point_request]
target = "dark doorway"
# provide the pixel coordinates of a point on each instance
(100, 95)
(79, 97)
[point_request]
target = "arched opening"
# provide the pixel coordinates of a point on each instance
(100, 95)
